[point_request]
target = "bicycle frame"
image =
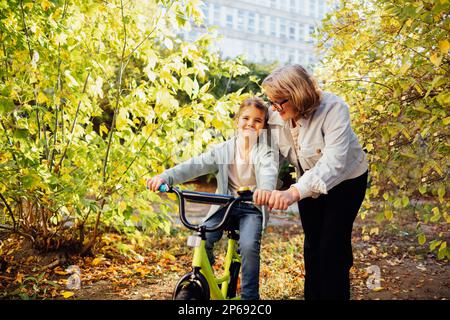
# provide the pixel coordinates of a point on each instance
(201, 261)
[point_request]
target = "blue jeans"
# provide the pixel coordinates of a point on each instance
(248, 220)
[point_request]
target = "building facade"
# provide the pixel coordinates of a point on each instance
(265, 31)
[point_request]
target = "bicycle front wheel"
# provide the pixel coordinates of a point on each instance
(192, 286)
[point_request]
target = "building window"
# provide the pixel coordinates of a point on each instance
(272, 53)
(251, 22)
(310, 33)
(292, 30)
(304, 59)
(273, 26)
(262, 24)
(262, 51)
(216, 13)
(291, 56)
(283, 56)
(301, 32)
(293, 6)
(273, 3)
(321, 9)
(282, 29)
(241, 20)
(312, 8)
(230, 21)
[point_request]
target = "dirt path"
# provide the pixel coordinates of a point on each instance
(405, 271)
(390, 250)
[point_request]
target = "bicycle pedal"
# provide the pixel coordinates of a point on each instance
(194, 241)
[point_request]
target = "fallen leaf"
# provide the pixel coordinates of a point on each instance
(169, 256)
(67, 294)
(59, 271)
(19, 278)
(98, 261)
(421, 267)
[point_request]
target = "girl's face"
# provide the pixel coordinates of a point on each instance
(250, 121)
(284, 107)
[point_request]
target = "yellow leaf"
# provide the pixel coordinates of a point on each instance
(444, 46)
(186, 112)
(404, 68)
(122, 206)
(218, 124)
(388, 214)
(377, 289)
(67, 294)
(169, 256)
(97, 261)
(19, 278)
(422, 239)
(45, 4)
(172, 196)
(41, 98)
(63, 273)
(103, 129)
(435, 59)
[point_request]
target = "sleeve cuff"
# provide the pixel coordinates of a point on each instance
(312, 188)
(303, 190)
(168, 178)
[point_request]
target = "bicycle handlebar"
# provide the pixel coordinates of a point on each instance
(208, 198)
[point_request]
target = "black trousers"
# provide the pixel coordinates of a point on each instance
(327, 223)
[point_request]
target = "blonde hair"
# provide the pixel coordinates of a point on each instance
(256, 102)
(293, 82)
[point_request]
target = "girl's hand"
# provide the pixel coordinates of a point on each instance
(261, 197)
(281, 200)
(154, 183)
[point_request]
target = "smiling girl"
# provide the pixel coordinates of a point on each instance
(242, 161)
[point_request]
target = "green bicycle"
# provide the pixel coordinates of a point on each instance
(201, 283)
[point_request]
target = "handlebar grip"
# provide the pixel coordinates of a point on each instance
(164, 188)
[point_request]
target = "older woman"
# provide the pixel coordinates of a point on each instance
(312, 129)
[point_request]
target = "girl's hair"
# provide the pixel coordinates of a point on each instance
(293, 82)
(256, 102)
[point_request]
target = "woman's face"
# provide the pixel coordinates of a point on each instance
(251, 121)
(284, 107)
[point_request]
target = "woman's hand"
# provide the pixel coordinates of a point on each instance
(261, 197)
(281, 200)
(154, 183)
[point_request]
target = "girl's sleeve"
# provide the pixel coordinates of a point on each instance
(192, 168)
(268, 159)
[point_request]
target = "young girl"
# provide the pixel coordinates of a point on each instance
(241, 161)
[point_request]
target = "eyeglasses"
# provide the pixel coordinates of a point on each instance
(278, 105)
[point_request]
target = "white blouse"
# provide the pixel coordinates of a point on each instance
(241, 172)
(326, 148)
